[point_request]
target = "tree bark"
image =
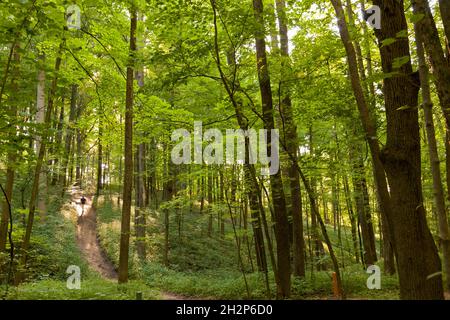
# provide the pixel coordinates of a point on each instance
(438, 190)
(368, 125)
(351, 215)
(418, 263)
(444, 6)
(276, 183)
(360, 195)
(128, 154)
(290, 129)
(141, 201)
(427, 31)
(69, 135)
(37, 172)
(12, 153)
(99, 157)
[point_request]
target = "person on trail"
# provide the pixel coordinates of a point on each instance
(83, 202)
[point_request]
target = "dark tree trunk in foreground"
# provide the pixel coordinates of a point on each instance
(128, 153)
(419, 267)
(276, 183)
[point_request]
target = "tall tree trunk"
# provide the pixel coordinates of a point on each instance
(351, 215)
(168, 192)
(363, 208)
(99, 156)
(40, 119)
(441, 67)
(58, 142)
(69, 135)
(291, 141)
(324, 202)
(210, 201)
(252, 186)
(78, 154)
(37, 172)
(140, 221)
(318, 248)
(128, 154)
(418, 262)
(276, 183)
(368, 126)
(444, 6)
(438, 190)
(12, 153)
(141, 201)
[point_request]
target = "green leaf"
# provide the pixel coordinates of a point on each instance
(417, 17)
(399, 62)
(387, 42)
(402, 34)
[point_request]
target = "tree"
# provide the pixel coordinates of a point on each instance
(367, 123)
(278, 200)
(420, 277)
(438, 190)
(128, 154)
(290, 128)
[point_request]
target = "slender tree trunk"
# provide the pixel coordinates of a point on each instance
(210, 202)
(12, 153)
(141, 201)
(291, 141)
(69, 135)
(368, 126)
(438, 190)
(128, 153)
(78, 155)
(324, 202)
(40, 119)
(168, 192)
(364, 216)
(444, 6)
(37, 172)
(252, 186)
(140, 221)
(426, 29)
(100, 157)
(56, 174)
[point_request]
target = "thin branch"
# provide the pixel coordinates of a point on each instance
(106, 50)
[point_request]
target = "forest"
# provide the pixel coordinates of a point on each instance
(224, 149)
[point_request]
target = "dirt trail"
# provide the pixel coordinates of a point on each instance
(88, 242)
(87, 238)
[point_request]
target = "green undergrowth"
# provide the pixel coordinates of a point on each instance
(53, 245)
(207, 267)
(90, 289)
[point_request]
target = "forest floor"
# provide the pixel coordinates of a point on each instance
(201, 266)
